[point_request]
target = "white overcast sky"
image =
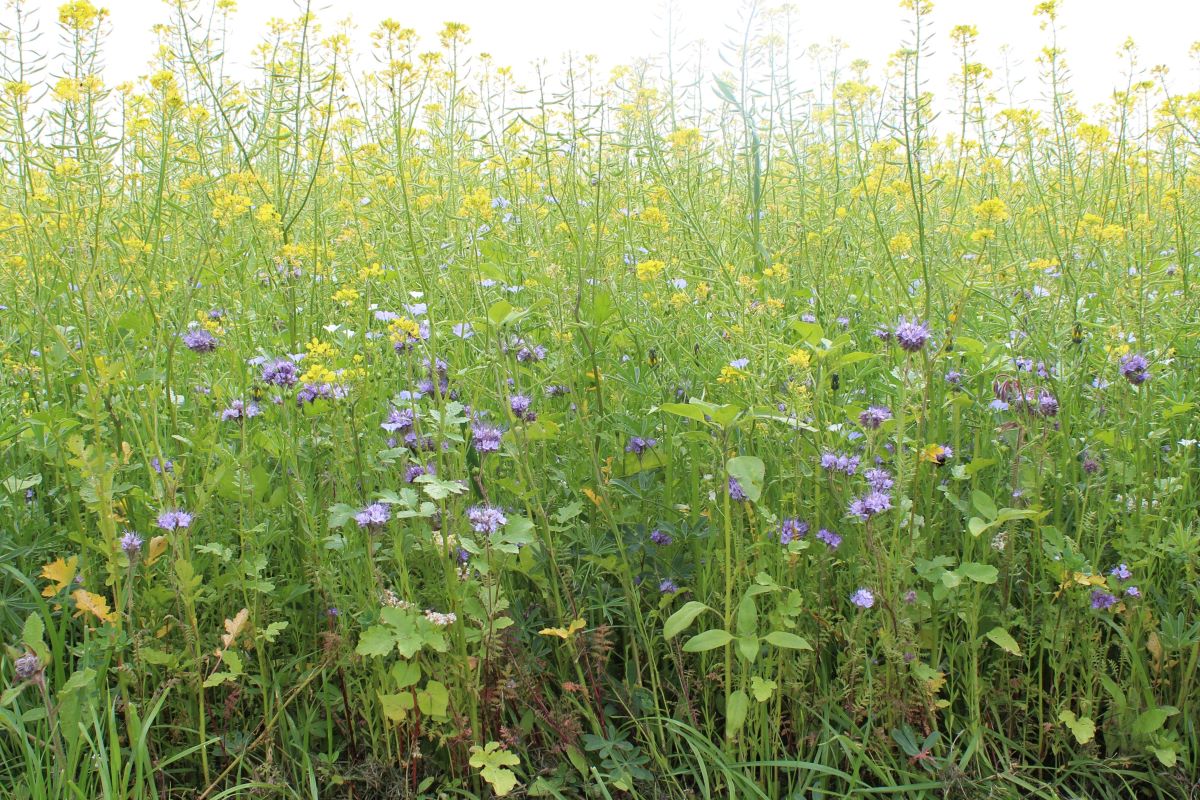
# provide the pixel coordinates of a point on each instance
(517, 32)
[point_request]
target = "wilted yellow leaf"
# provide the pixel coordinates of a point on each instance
(595, 498)
(564, 633)
(60, 573)
(158, 546)
(233, 627)
(94, 604)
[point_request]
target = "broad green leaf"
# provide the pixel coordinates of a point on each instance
(681, 619)
(735, 713)
(688, 410)
(1004, 640)
(980, 573)
(376, 640)
(762, 689)
(1150, 721)
(788, 640)
(747, 647)
(708, 640)
(984, 504)
(977, 526)
(1083, 727)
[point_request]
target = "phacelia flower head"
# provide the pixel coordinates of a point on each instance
(27, 667)
(863, 598)
(1134, 367)
(485, 438)
(879, 479)
(839, 462)
(521, 406)
(199, 340)
(239, 410)
(831, 539)
(792, 529)
(373, 516)
(874, 416)
(131, 544)
(667, 586)
(911, 335)
(1121, 571)
(486, 519)
(1102, 600)
(281, 372)
(638, 445)
(173, 519)
(398, 419)
(870, 504)
(735, 490)
(660, 538)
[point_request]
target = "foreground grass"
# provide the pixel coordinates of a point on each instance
(396, 431)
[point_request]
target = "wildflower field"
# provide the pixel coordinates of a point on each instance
(386, 426)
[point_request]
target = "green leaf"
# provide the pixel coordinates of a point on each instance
(1083, 727)
(688, 410)
(406, 673)
(1004, 640)
(980, 573)
(748, 471)
(747, 615)
(748, 647)
(708, 640)
(681, 619)
(984, 504)
(762, 689)
(788, 640)
(31, 635)
(491, 760)
(977, 526)
(396, 706)
(217, 678)
(434, 700)
(1150, 721)
(735, 712)
(376, 640)
(81, 679)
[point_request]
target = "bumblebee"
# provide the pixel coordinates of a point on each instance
(937, 454)
(1077, 334)
(652, 357)
(835, 382)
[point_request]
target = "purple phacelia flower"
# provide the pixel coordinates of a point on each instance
(485, 438)
(911, 335)
(863, 598)
(638, 445)
(173, 519)
(660, 538)
(735, 490)
(874, 416)
(199, 340)
(374, 516)
(829, 538)
(239, 410)
(870, 504)
(521, 407)
(792, 529)
(131, 544)
(486, 519)
(879, 479)
(667, 586)
(1102, 600)
(281, 372)
(1135, 368)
